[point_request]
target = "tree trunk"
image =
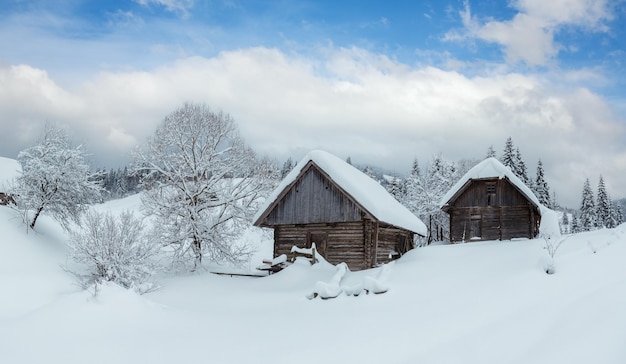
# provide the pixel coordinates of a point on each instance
(32, 224)
(197, 249)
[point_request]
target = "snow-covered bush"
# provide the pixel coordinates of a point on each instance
(54, 179)
(115, 249)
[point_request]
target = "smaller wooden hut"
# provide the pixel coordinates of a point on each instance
(350, 217)
(490, 203)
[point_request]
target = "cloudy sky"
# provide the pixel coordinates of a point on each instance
(383, 82)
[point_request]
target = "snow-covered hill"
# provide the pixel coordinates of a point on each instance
(488, 302)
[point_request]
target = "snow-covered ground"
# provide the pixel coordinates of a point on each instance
(488, 302)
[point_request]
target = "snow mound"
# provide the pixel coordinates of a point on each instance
(353, 283)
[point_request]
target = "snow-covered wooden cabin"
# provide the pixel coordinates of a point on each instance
(350, 217)
(491, 203)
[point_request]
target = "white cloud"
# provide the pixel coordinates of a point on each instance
(529, 36)
(349, 101)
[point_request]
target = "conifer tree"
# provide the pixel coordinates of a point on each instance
(617, 216)
(603, 207)
(575, 224)
(491, 153)
(287, 167)
(509, 155)
(565, 223)
(521, 170)
(394, 188)
(587, 209)
(540, 187)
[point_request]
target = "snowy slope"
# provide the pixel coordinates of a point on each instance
(9, 169)
(487, 302)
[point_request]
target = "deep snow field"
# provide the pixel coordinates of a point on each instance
(487, 302)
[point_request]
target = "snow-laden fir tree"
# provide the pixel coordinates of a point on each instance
(394, 187)
(565, 228)
(617, 216)
(287, 167)
(575, 228)
(587, 209)
(540, 187)
(603, 206)
(202, 184)
(521, 170)
(491, 153)
(55, 179)
(412, 187)
(509, 155)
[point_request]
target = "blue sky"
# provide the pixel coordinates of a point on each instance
(383, 82)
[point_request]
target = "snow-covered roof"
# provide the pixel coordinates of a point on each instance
(490, 168)
(366, 192)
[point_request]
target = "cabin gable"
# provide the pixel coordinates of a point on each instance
(488, 192)
(313, 198)
(491, 209)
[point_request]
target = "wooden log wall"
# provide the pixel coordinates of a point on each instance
(345, 242)
(496, 223)
(392, 244)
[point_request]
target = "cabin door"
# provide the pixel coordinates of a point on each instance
(475, 228)
(320, 239)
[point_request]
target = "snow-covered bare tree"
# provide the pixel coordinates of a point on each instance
(55, 179)
(114, 250)
(439, 178)
(202, 183)
(587, 209)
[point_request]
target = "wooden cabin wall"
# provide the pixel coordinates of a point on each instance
(313, 199)
(353, 243)
(392, 243)
(496, 223)
(504, 215)
(476, 195)
(345, 242)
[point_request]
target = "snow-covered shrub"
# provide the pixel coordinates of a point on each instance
(551, 245)
(54, 179)
(115, 249)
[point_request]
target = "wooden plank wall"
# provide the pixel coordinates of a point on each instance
(313, 199)
(353, 243)
(392, 244)
(345, 241)
(476, 194)
(509, 215)
(497, 223)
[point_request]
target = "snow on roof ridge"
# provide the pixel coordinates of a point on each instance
(490, 168)
(368, 193)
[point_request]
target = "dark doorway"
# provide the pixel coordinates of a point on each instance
(320, 239)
